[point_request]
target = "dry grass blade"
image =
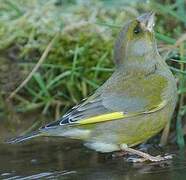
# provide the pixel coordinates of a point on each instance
(180, 40)
(41, 60)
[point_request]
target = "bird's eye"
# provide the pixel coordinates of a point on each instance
(137, 29)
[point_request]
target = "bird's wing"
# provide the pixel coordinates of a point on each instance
(143, 93)
(134, 99)
(91, 107)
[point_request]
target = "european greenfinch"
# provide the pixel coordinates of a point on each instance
(134, 104)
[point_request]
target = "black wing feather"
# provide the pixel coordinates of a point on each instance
(91, 107)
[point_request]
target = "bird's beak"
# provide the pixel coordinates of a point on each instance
(147, 21)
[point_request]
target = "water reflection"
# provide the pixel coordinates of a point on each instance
(53, 159)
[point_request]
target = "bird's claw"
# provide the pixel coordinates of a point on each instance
(151, 158)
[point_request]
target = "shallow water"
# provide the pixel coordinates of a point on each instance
(53, 159)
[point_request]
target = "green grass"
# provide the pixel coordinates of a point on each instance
(80, 59)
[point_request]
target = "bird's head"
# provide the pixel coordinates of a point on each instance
(135, 40)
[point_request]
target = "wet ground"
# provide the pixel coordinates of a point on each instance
(53, 159)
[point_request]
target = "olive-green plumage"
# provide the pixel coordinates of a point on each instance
(134, 104)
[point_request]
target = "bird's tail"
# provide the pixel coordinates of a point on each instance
(24, 137)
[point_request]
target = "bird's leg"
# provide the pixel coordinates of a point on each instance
(165, 134)
(145, 156)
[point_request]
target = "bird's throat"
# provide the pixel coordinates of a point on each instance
(145, 63)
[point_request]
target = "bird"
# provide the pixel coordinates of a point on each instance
(133, 104)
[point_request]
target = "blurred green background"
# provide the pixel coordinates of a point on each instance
(55, 53)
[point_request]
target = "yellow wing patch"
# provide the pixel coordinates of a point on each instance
(118, 115)
(102, 118)
(156, 108)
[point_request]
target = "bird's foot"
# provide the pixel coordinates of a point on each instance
(150, 158)
(144, 156)
(160, 158)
